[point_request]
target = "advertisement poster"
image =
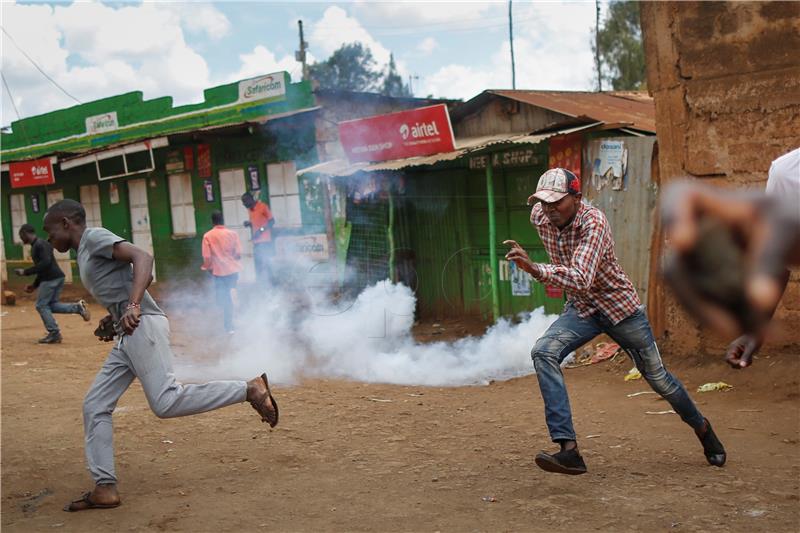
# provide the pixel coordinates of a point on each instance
(520, 281)
(252, 172)
(31, 173)
(610, 165)
(565, 152)
(175, 161)
(208, 187)
(416, 132)
(35, 203)
(113, 193)
(188, 157)
(204, 160)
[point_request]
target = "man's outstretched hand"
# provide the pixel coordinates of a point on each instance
(740, 352)
(519, 256)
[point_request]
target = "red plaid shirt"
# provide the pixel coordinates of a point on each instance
(584, 264)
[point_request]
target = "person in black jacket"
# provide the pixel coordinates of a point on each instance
(49, 280)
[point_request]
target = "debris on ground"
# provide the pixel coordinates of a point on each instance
(709, 387)
(490, 499)
(9, 298)
(667, 412)
(632, 374)
(379, 400)
(635, 394)
(602, 351)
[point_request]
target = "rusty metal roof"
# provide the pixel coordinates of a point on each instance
(633, 109)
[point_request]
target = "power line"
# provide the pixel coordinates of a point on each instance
(10, 96)
(37, 66)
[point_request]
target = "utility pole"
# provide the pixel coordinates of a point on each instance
(597, 46)
(511, 41)
(410, 84)
(300, 55)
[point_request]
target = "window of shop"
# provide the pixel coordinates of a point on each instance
(182, 205)
(90, 198)
(284, 194)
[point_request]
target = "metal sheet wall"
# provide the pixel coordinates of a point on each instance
(629, 206)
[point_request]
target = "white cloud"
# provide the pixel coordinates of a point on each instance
(427, 46)
(95, 51)
(551, 49)
(263, 61)
(398, 14)
(337, 28)
(456, 81)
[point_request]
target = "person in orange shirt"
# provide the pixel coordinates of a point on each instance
(260, 224)
(222, 254)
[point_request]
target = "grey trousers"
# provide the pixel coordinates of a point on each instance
(145, 355)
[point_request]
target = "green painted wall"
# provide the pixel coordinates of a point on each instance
(289, 138)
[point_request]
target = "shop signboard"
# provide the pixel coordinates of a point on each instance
(272, 86)
(31, 173)
(413, 133)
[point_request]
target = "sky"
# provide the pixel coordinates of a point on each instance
(91, 50)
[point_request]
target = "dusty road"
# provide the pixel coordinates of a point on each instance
(423, 459)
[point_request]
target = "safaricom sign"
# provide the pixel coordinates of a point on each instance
(262, 88)
(102, 123)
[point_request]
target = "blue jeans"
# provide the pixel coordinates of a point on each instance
(633, 334)
(47, 303)
(223, 285)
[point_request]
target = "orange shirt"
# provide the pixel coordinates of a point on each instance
(222, 251)
(260, 215)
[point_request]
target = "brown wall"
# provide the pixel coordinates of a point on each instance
(503, 115)
(726, 81)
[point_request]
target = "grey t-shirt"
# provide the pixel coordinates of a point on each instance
(108, 280)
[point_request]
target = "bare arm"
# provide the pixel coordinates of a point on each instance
(142, 277)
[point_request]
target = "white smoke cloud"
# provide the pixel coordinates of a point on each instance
(368, 339)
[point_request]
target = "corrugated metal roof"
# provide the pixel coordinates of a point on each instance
(340, 167)
(631, 108)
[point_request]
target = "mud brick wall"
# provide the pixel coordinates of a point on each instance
(726, 81)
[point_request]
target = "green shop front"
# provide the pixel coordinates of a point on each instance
(154, 173)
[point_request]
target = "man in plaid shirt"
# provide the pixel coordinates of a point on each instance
(600, 299)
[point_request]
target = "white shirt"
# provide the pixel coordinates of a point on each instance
(784, 177)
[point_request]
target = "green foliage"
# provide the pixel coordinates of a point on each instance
(352, 68)
(392, 82)
(621, 49)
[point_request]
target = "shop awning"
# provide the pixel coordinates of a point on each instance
(464, 146)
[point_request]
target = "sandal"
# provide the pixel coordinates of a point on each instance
(85, 502)
(268, 414)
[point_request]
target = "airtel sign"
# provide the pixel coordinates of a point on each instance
(31, 173)
(417, 132)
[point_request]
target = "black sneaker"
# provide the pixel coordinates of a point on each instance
(83, 310)
(51, 338)
(563, 462)
(712, 447)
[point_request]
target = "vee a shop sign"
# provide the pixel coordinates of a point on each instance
(416, 132)
(271, 86)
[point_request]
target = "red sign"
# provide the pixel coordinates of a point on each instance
(416, 132)
(565, 152)
(204, 160)
(31, 173)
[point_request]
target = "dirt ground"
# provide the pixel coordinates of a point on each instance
(363, 457)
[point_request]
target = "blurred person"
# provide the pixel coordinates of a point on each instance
(730, 252)
(49, 281)
(222, 254)
(117, 273)
(600, 299)
(260, 224)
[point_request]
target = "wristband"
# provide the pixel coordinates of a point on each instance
(134, 305)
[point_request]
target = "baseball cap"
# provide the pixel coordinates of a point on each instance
(555, 184)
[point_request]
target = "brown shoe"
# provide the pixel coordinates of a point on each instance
(262, 401)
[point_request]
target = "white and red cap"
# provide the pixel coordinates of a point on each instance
(555, 184)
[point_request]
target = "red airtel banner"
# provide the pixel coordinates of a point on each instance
(31, 173)
(417, 132)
